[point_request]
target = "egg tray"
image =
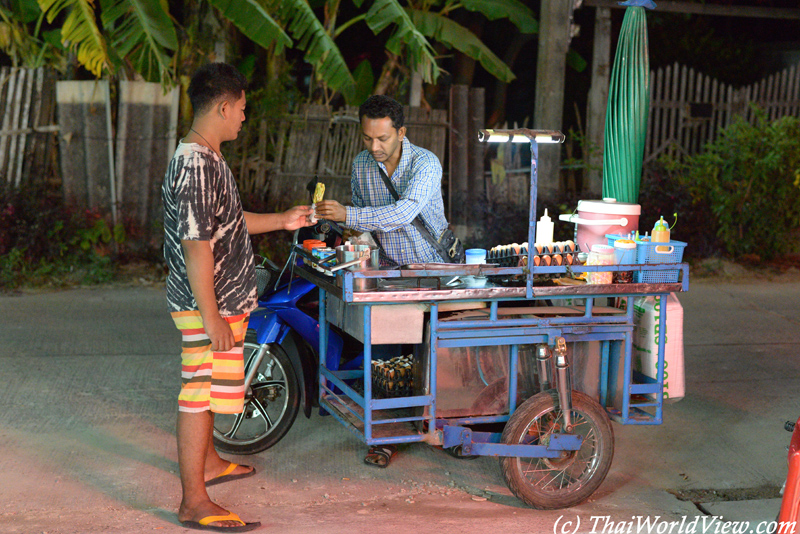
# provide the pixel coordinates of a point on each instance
(520, 260)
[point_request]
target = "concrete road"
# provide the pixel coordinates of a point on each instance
(87, 442)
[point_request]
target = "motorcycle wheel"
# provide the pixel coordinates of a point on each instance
(551, 483)
(270, 405)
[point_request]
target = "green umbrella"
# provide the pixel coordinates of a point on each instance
(628, 107)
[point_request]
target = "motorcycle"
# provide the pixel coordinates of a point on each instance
(786, 522)
(280, 358)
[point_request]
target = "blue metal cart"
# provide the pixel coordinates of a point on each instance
(555, 443)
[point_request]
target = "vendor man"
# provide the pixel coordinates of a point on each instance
(416, 175)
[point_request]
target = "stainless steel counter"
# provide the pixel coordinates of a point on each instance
(396, 288)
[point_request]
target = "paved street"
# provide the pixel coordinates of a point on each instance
(87, 443)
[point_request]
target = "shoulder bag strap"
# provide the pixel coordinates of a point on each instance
(417, 222)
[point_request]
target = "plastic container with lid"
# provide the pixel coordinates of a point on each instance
(475, 255)
(596, 218)
(624, 254)
(601, 255)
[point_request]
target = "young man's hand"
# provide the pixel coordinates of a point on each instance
(296, 217)
(331, 210)
(219, 332)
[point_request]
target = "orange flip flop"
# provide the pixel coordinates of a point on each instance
(203, 524)
(226, 475)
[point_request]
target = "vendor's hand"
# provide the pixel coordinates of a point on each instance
(331, 210)
(296, 217)
(219, 332)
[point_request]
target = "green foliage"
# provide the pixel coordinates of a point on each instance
(321, 51)
(662, 193)
(254, 21)
(23, 41)
(517, 12)
(453, 35)
(385, 13)
(42, 243)
(142, 32)
(79, 32)
(750, 179)
(365, 81)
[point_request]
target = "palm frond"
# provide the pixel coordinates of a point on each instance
(80, 32)
(142, 32)
(448, 32)
(514, 10)
(384, 13)
(254, 22)
(320, 48)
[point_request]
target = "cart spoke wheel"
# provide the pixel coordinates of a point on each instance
(570, 478)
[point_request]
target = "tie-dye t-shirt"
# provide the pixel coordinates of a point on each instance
(201, 203)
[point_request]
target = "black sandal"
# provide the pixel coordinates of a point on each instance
(380, 455)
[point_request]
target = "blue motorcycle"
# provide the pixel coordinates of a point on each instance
(280, 355)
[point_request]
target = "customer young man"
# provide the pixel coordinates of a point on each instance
(416, 175)
(211, 287)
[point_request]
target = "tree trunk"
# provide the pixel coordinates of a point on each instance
(598, 101)
(554, 29)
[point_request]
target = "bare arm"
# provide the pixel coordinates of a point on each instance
(200, 271)
(291, 219)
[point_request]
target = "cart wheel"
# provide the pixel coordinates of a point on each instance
(549, 483)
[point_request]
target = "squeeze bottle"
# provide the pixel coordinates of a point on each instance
(544, 229)
(661, 235)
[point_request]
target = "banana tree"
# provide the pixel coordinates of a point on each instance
(140, 35)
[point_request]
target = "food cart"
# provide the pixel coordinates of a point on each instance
(517, 334)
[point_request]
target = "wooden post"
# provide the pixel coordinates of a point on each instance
(477, 188)
(459, 158)
(554, 27)
(598, 102)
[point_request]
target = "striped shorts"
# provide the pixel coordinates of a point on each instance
(210, 380)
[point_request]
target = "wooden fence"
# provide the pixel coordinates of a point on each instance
(287, 153)
(688, 108)
(27, 111)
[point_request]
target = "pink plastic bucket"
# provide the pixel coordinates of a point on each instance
(596, 218)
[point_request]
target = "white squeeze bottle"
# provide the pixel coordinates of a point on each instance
(544, 229)
(660, 234)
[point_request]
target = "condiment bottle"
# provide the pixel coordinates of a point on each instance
(660, 234)
(544, 229)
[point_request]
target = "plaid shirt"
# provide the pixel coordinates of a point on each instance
(418, 181)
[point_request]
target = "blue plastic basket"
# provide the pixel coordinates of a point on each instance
(646, 253)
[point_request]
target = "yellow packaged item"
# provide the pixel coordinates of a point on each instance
(319, 192)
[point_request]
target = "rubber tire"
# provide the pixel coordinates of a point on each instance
(260, 442)
(592, 475)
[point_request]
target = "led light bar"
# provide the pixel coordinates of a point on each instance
(520, 135)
